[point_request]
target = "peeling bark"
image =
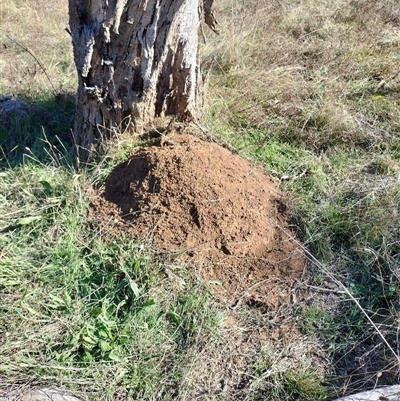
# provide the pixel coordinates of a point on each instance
(209, 17)
(136, 60)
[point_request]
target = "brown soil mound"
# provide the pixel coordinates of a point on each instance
(214, 207)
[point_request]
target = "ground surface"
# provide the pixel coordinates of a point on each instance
(307, 90)
(212, 207)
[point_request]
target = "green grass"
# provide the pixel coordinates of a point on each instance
(268, 382)
(314, 98)
(308, 90)
(92, 309)
(46, 118)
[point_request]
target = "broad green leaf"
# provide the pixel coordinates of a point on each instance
(174, 317)
(107, 322)
(89, 340)
(57, 302)
(103, 334)
(28, 220)
(105, 346)
(113, 355)
(46, 185)
(75, 339)
(96, 312)
(149, 302)
(64, 357)
(134, 287)
(8, 282)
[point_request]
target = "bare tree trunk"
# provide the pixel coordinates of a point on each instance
(136, 60)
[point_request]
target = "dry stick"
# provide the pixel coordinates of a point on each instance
(212, 138)
(332, 277)
(394, 76)
(35, 58)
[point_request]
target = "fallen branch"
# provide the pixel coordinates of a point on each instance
(390, 393)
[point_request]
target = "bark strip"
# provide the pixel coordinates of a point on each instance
(209, 17)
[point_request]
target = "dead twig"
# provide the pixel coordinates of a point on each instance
(346, 291)
(213, 138)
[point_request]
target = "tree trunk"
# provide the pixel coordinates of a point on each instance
(136, 60)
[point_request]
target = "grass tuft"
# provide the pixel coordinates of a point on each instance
(98, 310)
(309, 90)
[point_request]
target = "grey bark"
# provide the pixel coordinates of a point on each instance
(390, 393)
(136, 60)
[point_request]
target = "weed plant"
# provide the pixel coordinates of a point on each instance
(310, 90)
(84, 307)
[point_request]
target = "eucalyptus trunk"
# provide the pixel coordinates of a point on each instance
(136, 60)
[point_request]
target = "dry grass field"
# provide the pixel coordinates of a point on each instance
(308, 90)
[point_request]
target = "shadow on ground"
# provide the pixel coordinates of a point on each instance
(28, 125)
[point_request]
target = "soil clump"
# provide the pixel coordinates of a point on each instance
(212, 208)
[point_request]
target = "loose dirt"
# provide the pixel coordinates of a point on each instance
(212, 208)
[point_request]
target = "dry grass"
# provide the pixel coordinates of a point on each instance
(311, 90)
(308, 89)
(36, 54)
(36, 67)
(307, 70)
